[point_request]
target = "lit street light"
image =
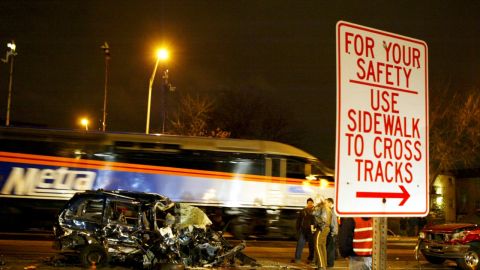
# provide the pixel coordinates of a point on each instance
(11, 53)
(106, 51)
(162, 55)
(84, 122)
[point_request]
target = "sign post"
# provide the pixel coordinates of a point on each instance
(382, 123)
(379, 258)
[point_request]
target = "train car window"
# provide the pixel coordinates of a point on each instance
(72, 149)
(275, 167)
(200, 160)
(296, 169)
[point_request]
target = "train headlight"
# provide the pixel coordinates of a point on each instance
(323, 183)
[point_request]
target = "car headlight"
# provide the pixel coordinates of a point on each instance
(422, 235)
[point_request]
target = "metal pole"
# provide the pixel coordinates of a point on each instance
(106, 50)
(150, 84)
(164, 97)
(379, 257)
(10, 84)
(163, 108)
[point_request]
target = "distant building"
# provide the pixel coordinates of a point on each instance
(456, 197)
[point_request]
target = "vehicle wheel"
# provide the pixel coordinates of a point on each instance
(434, 260)
(470, 261)
(93, 255)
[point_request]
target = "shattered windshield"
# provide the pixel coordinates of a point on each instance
(90, 209)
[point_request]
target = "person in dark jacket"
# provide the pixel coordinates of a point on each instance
(305, 230)
(355, 241)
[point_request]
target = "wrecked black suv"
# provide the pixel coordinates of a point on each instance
(143, 229)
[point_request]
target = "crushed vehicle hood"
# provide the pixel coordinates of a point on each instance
(147, 229)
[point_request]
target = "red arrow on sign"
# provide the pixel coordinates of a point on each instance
(400, 195)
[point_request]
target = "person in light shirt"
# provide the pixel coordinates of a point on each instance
(332, 236)
(323, 220)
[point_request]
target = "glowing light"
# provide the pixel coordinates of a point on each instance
(12, 46)
(84, 122)
(163, 54)
(439, 200)
(323, 183)
(307, 187)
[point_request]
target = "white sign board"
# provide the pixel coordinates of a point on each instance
(382, 123)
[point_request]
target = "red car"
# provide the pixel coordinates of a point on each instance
(454, 241)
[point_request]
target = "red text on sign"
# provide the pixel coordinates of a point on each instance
(387, 101)
(383, 124)
(402, 54)
(383, 171)
(361, 45)
(386, 74)
(397, 149)
(357, 145)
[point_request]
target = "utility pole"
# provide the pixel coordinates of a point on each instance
(10, 56)
(164, 85)
(106, 51)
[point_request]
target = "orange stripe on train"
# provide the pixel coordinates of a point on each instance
(140, 168)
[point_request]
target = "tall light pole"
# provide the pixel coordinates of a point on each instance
(11, 53)
(106, 51)
(162, 55)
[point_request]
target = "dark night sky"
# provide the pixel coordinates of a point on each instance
(285, 46)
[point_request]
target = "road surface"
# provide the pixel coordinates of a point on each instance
(36, 254)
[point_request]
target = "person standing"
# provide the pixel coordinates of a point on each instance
(323, 219)
(332, 236)
(356, 242)
(304, 226)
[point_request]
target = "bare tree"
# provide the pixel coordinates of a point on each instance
(193, 116)
(454, 131)
(250, 113)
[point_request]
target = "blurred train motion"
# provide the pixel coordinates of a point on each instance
(247, 187)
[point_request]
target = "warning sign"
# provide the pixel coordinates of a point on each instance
(382, 123)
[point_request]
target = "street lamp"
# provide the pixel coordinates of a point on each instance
(84, 122)
(162, 55)
(106, 51)
(11, 53)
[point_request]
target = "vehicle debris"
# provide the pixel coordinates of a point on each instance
(143, 230)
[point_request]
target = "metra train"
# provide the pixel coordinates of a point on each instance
(248, 187)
